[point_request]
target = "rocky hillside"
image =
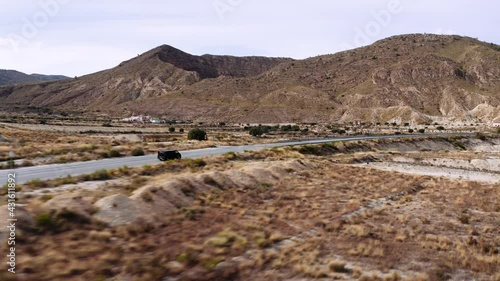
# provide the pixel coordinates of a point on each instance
(10, 77)
(157, 73)
(418, 78)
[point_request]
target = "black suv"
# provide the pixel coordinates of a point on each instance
(164, 155)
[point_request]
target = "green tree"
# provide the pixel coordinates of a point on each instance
(197, 134)
(259, 131)
(114, 153)
(138, 152)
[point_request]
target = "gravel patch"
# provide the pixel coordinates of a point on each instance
(452, 173)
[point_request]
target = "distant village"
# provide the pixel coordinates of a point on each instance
(148, 119)
(153, 120)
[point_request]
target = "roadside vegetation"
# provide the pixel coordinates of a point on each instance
(67, 139)
(310, 212)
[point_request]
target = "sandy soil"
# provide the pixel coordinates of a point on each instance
(486, 164)
(451, 173)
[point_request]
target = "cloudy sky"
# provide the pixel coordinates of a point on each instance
(76, 37)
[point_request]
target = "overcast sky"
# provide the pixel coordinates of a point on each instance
(76, 37)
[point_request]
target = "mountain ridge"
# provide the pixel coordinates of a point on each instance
(416, 77)
(9, 77)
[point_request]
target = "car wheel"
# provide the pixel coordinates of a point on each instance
(179, 156)
(161, 158)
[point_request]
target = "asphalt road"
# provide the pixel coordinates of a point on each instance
(47, 172)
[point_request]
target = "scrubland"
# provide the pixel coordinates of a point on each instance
(303, 213)
(32, 140)
(33, 144)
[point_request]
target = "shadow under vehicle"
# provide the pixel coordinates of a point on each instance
(164, 155)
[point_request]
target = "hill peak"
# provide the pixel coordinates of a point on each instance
(213, 66)
(168, 49)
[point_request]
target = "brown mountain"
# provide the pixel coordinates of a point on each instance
(409, 77)
(156, 73)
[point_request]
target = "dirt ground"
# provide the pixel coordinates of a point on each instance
(316, 213)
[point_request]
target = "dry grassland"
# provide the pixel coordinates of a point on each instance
(269, 215)
(36, 146)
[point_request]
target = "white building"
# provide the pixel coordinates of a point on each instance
(140, 118)
(496, 122)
